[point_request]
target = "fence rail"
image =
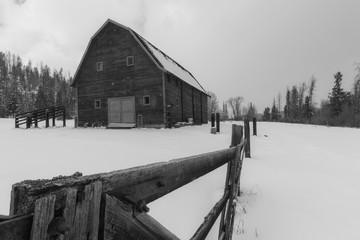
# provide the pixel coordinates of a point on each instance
(114, 205)
(36, 116)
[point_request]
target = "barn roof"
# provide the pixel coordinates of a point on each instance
(161, 60)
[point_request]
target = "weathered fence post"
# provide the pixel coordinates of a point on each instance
(36, 119)
(247, 138)
(217, 122)
(53, 117)
(16, 122)
(76, 121)
(28, 121)
(46, 118)
(64, 117)
(212, 120)
(236, 136)
(254, 127)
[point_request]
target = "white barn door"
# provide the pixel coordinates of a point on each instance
(121, 112)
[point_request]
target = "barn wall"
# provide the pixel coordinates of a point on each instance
(111, 46)
(173, 97)
(205, 109)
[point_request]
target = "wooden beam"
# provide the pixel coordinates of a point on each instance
(16, 227)
(146, 183)
(120, 222)
(210, 219)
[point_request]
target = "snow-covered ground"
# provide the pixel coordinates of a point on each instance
(302, 182)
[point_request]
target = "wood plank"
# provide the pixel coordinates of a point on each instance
(120, 223)
(146, 183)
(43, 214)
(69, 213)
(93, 194)
(16, 227)
(210, 219)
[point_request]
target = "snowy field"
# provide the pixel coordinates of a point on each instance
(302, 182)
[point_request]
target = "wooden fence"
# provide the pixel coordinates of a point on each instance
(114, 205)
(36, 116)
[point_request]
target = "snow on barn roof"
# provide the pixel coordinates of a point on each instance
(171, 65)
(161, 60)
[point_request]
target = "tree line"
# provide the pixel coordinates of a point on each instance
(26, 87)
(341, 108)
(232, 109)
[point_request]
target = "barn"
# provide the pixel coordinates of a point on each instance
(125, 81)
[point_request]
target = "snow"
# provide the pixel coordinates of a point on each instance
(170, 65)
(302, 181)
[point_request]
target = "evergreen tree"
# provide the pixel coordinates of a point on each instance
(338, 96)
(274, 113)
(287, 104)
(41, 99)
(294, 104)
(266, 115)
(308, 110)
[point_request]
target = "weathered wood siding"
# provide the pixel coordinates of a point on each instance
(111, 46)
(186, 101)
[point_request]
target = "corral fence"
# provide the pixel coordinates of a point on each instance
(44, 114)
(114, 205)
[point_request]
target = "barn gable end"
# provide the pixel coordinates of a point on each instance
(121, 81)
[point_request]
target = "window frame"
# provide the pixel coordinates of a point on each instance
(144, 101)
(129, 62)
(99, 66)
(97, 106)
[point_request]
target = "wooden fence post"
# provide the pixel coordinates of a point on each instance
(16, 122)
(53, 117)
(217, 122)
(46, 118)
(254, 127)
(36, 119)
(43, 214)
(28, 121)
(236, 136)
(212, 120)
(64, 117)
(247, 138)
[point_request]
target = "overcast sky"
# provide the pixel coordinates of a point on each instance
(251, 48)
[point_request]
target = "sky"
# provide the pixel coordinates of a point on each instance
(249, 48)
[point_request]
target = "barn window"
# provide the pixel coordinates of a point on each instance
(146, 100)
(177, 102)
(97, 103)
(99, 66)
(130, 61)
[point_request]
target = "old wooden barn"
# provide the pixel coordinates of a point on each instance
(125, 81)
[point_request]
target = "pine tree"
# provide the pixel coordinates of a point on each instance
(266, 115)
(274, 112)
(338, 96)
(308, 110)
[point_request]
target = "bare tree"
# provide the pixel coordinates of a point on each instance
(235, 105)
(213, 104)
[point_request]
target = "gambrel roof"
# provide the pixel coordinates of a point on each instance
(161, 60)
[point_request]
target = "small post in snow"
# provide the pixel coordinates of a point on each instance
(254, 127)
(47, 118)
(247, 138)
(53, 118)
(212, 120)
(64, 117)
(218, 122)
